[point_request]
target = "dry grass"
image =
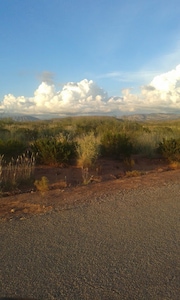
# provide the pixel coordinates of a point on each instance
(174, 165)
(61, 184)
(16, 171)
(87, 178)
(42, 185)
(134, 173)
(88, 150)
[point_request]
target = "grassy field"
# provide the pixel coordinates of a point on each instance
(81, 141)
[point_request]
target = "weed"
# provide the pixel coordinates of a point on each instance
(42, 185)
(134, 173)
(86, 176)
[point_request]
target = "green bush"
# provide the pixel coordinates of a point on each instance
(12, 148)
(26, 133)
(116, 145)
(52, 152)
(170, 149)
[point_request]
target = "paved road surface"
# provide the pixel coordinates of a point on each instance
(123, 246)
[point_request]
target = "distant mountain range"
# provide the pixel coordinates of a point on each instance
(151, 117)
(134, 117)
(18, 118)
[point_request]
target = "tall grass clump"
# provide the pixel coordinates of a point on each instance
(88, 150)
(146, 143)
(16, 171)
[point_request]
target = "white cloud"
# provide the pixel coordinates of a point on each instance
(164, 91)
(85, 97)
(75, 98)
(167, 81)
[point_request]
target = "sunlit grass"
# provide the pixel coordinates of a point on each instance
(16, 171)
(88, 147)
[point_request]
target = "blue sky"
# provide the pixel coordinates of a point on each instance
(119, 45)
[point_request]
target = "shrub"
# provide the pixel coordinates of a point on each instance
(116, 145)
(42, 185)
(66, 151)
(88, 148)
(12, 148)
(52, 152)
(46, 150)
(170, 149)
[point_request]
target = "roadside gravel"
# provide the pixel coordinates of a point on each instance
(120, 244)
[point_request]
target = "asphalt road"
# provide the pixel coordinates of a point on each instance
(120, 246)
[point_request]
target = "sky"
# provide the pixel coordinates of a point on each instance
(77, 57)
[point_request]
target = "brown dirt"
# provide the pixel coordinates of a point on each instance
(67, 189)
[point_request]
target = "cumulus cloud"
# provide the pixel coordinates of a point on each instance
(164, 91)
(86, 97)
(167, 81)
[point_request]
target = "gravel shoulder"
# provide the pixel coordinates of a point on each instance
(111, 240)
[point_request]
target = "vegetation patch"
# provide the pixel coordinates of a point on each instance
(50, 151)
(88, 150)
(170, 149)
(134, 173)
(116, 145)
(81, 142)
(17, 171)
(42, 185)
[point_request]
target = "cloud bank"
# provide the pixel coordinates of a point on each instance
(162, 94)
